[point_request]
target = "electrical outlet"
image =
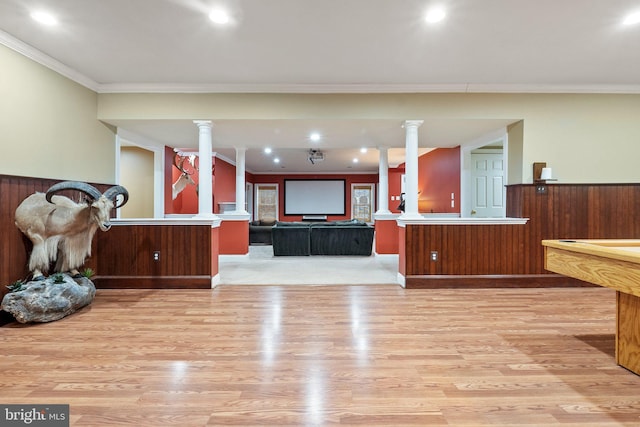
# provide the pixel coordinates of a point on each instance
(434, 255)
(156, 255)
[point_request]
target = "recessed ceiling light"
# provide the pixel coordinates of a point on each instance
(363, 150)
(355, 160)
(44, 18)
(434, 15)
(267, 150)
(315, 136)
(219, 16)
(632, 19)
(276, 160)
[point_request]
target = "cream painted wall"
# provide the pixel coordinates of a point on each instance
(585, 138)
(48, 125)
(515, 133)
(136, 175)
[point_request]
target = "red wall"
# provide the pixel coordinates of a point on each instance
(438, 177)
(224, 183)
(350, 179)
(395, 180)
(187, 200)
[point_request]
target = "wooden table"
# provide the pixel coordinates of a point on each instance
(614, 264)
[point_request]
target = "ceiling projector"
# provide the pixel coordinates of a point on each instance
(315, 156)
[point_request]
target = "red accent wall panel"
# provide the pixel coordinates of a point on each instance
(234, 237)
(223, 186)
(395, 186)
(438, 177)
(224, 183)
(386, 236)
(187, 201)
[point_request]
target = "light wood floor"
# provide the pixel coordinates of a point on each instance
(321, 356)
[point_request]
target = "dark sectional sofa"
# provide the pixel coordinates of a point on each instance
(322, 238)
(260, 232)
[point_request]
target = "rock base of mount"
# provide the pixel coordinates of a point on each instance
(45, 301)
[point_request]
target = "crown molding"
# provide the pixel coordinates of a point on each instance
(55, 65)
(552, 89)
(368, 88)
(44, 59)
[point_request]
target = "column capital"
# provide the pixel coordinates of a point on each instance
(412, 123)
(206, 123)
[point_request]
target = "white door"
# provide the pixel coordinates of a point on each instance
(487, 185)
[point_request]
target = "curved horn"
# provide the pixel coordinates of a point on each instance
(113, 192)
(87, 189)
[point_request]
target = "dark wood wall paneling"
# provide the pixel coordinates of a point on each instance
(484, 254)
(126, 257)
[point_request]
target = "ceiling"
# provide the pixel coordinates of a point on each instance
(329, 46)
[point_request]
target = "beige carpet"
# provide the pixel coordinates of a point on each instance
(260, 267)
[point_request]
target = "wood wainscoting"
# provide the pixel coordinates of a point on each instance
(160, 254)
(512, 255)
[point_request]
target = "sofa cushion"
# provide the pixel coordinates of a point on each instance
(342, 240)
(293, 224)
(290, 240)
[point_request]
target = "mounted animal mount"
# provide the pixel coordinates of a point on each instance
(60, 229)
(185, 173)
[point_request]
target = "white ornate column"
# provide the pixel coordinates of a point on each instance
(205, 190)
(411, 169)
(383, 182)
(240, 180)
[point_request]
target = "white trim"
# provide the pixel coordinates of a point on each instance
(386, 216)
(132, 138)
(365, 88)
(49, 62)
(117, 154)
(224, 158)
(337, 173)
(170, 220)
(215, 280)
(461, 221)
(234, 216)
(401, 280)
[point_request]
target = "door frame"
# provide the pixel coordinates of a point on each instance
(466, 186)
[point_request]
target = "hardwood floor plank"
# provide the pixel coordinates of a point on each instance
(328, 356)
